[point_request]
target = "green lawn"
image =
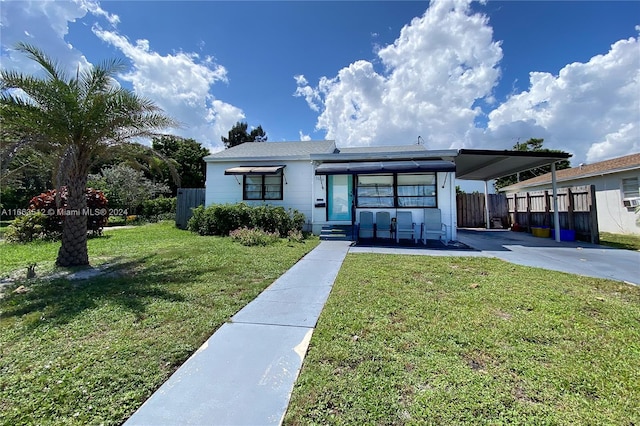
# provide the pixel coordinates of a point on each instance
(623, 241)
(449, 341)
(90, 352)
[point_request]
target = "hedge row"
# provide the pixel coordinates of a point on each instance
(159, 208)
(221, 219)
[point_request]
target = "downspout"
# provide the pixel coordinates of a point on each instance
(486, 203)
(556, 214)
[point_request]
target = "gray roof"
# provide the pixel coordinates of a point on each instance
(269, 150)
(382, 149)
(583, 171)
(471, 164)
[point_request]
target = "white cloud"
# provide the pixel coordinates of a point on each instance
(311, 95)
(96, 10)
(300, 80)
(303, 137)
(590, 109)
(45, 24)
(444, 63)
(180, 83)
(438, 67)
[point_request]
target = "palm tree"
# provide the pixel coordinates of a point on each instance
(77, 119)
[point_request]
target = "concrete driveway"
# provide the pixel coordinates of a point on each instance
(575, 257)
(524, 249)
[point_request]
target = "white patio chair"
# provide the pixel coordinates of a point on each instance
(433, 228)
(405, 228)
(365, 229)
(383, 225)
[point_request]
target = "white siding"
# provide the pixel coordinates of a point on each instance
(613, 216)
(222, 189)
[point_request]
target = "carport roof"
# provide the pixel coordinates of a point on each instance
(476, 164)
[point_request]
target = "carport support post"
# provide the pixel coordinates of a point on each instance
(556, 214)
(486, 204)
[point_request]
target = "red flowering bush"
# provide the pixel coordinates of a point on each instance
(96, 212)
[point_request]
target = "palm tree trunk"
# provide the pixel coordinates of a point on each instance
(73, 251)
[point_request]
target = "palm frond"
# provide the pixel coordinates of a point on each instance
(49, 64)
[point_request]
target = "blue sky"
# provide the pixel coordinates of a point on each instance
(459, 74)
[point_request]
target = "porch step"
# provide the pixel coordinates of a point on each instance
(337, 233)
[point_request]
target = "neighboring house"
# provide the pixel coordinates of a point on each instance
(331, 186)
(617, 186)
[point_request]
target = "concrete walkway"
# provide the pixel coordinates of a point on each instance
(245, 372)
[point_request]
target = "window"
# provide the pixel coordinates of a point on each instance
(630, 188)
(418, 190)
(263, 187)
(396, 190)
(375, 190)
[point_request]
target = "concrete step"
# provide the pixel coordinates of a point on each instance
(337, 233)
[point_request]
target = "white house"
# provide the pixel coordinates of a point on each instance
(617, 188)
(332, 185)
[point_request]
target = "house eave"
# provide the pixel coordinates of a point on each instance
(448, 155)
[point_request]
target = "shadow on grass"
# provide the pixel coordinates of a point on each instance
(619, 245)
(132, 285)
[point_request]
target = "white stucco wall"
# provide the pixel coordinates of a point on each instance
(222, 189)
(612, 215)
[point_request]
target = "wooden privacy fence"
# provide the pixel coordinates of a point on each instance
(471, 210)
(576, 209)
(188, 199)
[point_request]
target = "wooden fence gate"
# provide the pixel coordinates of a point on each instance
(471, 212)
(576, 209)
(188, 199)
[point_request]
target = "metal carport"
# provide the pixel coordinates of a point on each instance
(484, 165)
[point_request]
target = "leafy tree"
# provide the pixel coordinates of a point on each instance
(187, 157)
(29, 173)
(77, 119)
(532, 144)
(238, 135)
(125, 187)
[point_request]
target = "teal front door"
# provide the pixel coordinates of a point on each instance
(340, 197)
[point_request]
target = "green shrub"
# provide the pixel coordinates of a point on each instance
(116, 221)
(27, 228)
(221, 219)
(56, 210)
(196, 222)
(296, 236)
(297, 220)
(161, 206)
(133, 219)
(166, 216)
(254, 236)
